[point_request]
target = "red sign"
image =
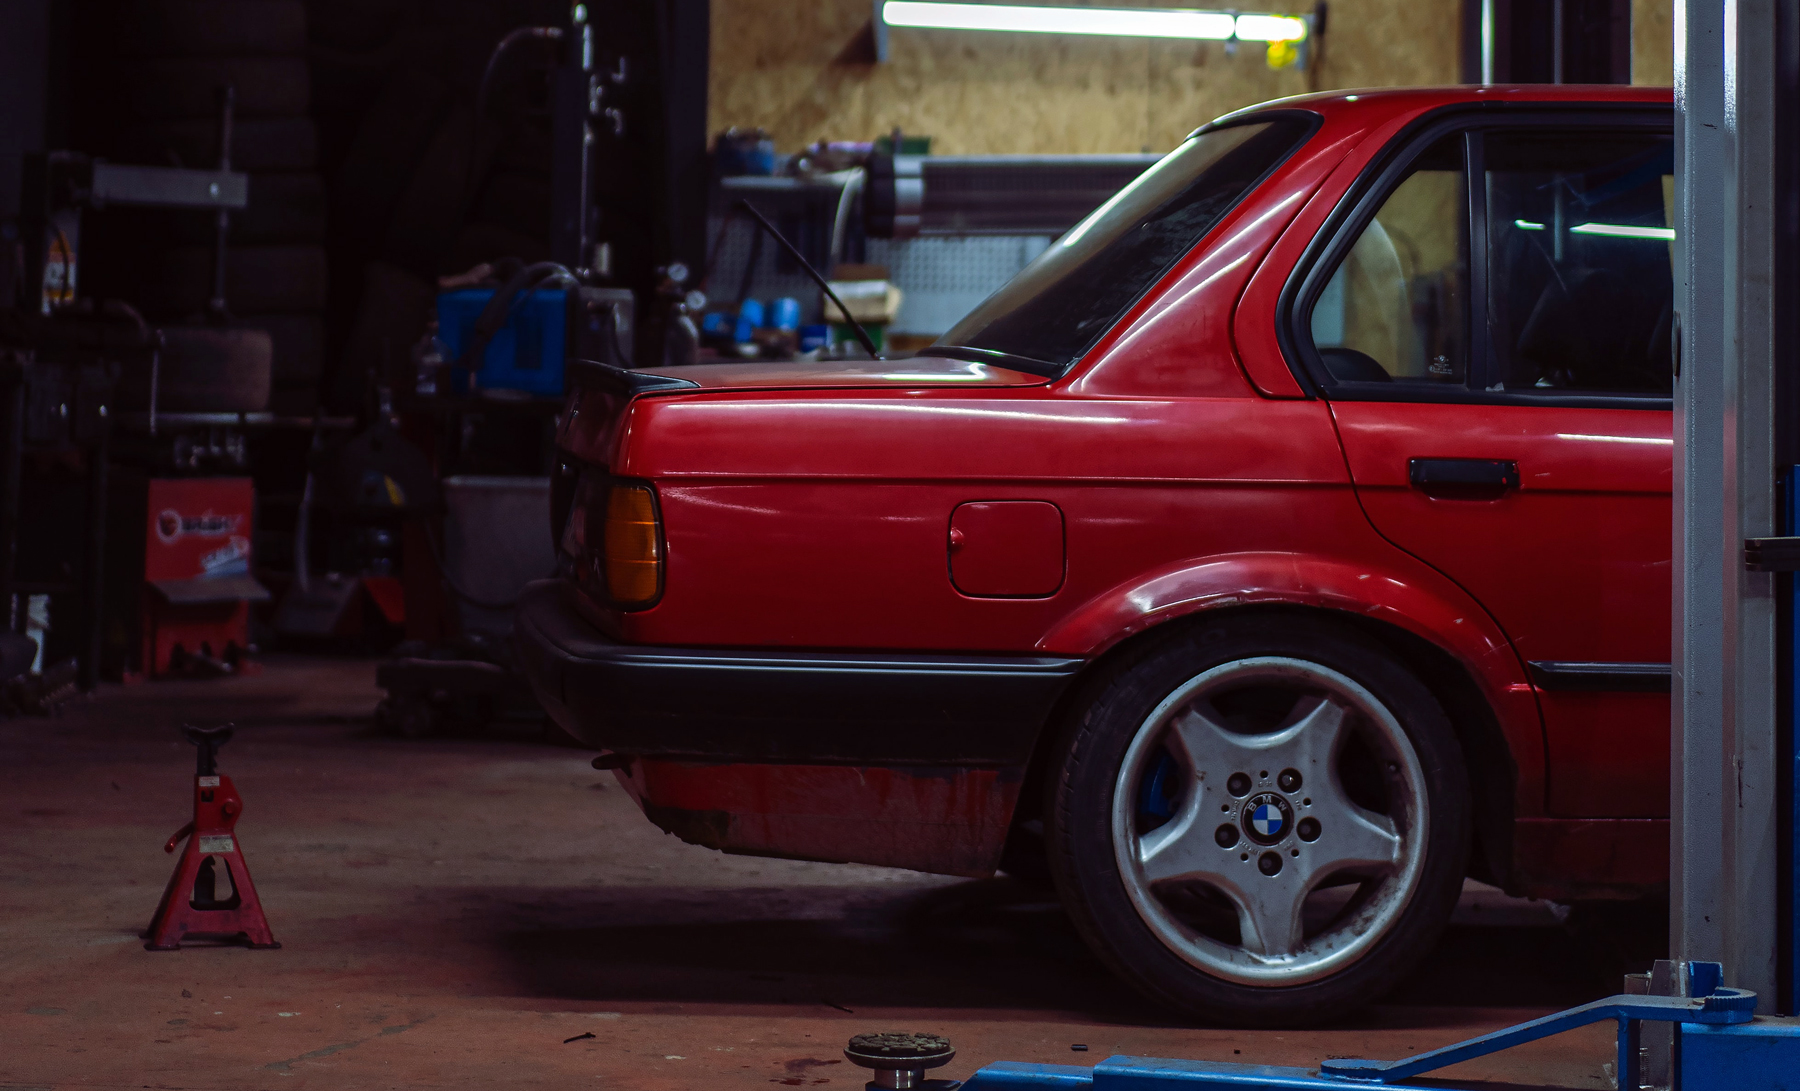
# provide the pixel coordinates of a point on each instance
(198, 526)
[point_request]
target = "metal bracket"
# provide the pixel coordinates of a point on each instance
(1721, 1007)
(1772, 554)
(167, 187)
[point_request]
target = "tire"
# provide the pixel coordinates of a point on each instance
(416, 719)
(204, 370)
(356, 24)
(396, 128)
(346, 81)
(294, 400)
(481, 242)
(524, 145)
(423, 225)
(1165, 889)
(257, 144)
(187, 88)
(518, 202)
(298, 345)
(214, 28)
(258, 280)
(283, 208)
(395, 308)
(393, 313)
(1024, 858)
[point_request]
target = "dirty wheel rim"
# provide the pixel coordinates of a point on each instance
(1269, 821)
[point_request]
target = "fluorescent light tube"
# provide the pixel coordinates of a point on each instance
(1118, 22)
(1528, 225)
(1270, 28)
(1623, 231)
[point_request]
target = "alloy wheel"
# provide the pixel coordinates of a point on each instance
(1269, 821)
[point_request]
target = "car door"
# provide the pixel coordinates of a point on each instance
(1491, 328)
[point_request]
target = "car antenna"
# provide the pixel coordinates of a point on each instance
(855, 326)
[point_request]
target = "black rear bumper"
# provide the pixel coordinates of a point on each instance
(833, 708)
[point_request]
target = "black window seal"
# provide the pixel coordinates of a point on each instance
(1043, 369)
(1363, 200)
(1479, 350)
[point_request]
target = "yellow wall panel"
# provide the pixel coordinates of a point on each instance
(1652, 42)
(800, 71)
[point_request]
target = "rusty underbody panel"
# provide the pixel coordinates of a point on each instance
(945, 820)
(1587, 859)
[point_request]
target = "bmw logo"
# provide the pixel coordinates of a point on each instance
(1267, 818)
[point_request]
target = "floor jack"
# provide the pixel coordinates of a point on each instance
(190, 905)
(1708, 1038)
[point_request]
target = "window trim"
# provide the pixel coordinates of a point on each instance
(1364, 199)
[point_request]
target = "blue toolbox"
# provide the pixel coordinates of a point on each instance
(544, 327)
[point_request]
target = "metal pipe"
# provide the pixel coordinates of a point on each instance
(93, 602)
(227, 106)
(1487, 41)
(1556, 41)
(12, 436)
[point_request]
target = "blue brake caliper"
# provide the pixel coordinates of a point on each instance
(1160, 790)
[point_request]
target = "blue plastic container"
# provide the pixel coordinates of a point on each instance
(814, 338)
(750, 319)
(528, 352)
(786, 316)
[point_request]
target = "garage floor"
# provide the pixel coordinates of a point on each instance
(491, 912)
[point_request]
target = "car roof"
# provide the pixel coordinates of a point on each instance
(1403, 100)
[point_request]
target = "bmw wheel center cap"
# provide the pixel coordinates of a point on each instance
(1267, 818)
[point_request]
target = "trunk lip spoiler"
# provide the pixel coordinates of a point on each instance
(623, 380)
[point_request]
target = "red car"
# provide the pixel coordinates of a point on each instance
(1288, 542)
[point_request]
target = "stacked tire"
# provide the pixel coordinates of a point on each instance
(164, 62)
(415, 193)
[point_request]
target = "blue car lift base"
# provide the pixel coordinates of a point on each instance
(1719, 1044)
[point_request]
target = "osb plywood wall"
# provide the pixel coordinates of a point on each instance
(800, 70)
(1652, 42)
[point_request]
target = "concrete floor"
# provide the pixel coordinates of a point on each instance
(453, 912)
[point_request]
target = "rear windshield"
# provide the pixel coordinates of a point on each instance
(1060, 305)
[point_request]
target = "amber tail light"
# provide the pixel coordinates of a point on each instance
(631, 547)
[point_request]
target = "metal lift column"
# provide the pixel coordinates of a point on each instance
(1726, 774)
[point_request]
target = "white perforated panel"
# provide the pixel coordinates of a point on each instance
(943, 278)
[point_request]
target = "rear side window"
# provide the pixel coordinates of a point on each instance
(1060, 305)
(1526, 262)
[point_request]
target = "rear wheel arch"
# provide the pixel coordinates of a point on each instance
(1493, 773)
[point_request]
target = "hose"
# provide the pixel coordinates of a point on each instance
(494, 315)
(501, 49)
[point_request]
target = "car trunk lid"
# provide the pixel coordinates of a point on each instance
(589, 430)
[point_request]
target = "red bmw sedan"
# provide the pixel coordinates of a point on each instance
(1287, 543)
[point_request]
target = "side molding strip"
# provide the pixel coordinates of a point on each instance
(1563, 677)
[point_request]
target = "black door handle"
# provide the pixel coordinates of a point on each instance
(1464, 478)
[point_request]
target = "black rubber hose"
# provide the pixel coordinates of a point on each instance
(493, 316)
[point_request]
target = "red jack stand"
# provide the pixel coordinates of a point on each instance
(190, 904)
